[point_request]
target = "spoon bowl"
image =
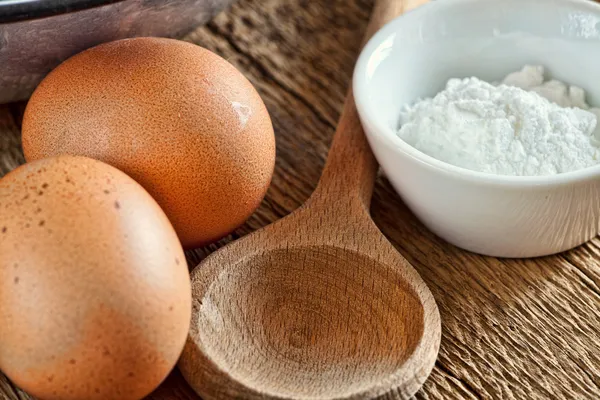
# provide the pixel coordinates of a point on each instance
(305, 322)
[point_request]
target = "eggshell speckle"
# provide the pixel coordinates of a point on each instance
(177, 118)
(95, 299)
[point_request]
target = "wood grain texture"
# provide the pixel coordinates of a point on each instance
(512, 329)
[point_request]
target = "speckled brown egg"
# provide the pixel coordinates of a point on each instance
(179, 119)
(95, 299)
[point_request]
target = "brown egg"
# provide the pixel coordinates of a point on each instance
(179, 119)
(95, 298)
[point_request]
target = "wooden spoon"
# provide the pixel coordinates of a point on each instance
(318, 305)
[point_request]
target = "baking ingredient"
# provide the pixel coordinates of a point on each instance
(95, 298)
(524, 126)
(179, 119)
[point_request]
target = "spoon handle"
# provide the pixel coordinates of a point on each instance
(386, 10)
(351, 168)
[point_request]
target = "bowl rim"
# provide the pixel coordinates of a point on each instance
(25, 10)
(384, 132)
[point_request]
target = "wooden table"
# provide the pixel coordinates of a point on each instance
(512, 329)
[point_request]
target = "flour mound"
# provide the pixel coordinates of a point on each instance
(523, 127)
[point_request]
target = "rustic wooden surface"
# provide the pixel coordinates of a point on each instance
(512, 329)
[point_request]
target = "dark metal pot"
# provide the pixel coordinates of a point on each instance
(36, 35)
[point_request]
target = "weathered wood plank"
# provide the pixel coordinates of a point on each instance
(512, 329)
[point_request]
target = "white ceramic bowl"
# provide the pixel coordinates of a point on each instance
(414, 55)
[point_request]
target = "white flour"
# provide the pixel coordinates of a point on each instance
(509, 129)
